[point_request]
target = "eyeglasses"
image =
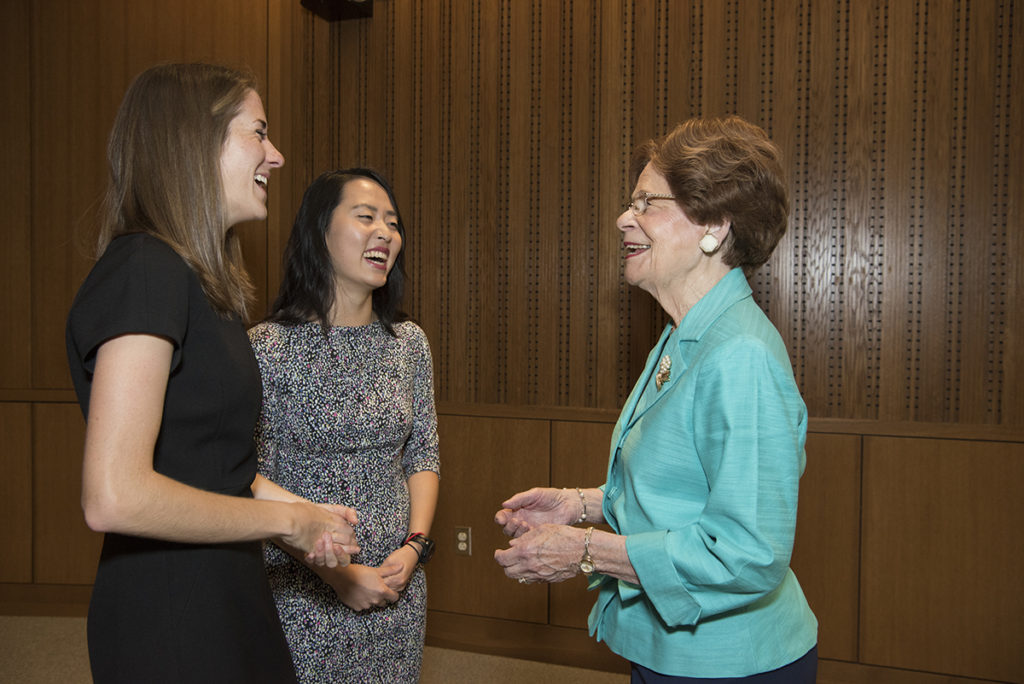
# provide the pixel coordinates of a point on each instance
(639, 204)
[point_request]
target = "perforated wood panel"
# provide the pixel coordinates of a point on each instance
(507, 126)
(15, 229)
(84, 56)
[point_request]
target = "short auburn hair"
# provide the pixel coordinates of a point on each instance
(724, 169)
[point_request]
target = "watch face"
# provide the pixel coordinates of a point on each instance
(587, 566)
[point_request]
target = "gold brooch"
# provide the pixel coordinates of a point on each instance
(664, 371)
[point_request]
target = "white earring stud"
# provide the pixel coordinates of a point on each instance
(708, 244)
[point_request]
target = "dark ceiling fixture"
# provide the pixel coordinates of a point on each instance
(338, 10)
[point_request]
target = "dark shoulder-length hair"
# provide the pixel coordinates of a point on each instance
(724, 169)
(164, 154)
(307, 282)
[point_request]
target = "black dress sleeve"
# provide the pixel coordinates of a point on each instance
(139, 286)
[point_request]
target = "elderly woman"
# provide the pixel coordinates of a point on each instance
(701, 490)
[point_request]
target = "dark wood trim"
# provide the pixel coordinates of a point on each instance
(877, 428)
(839, 672)
(526, 640)
(57, 600)
(591, 415)
(39, 396)
(994, 433)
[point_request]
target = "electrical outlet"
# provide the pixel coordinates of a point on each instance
(464, 541)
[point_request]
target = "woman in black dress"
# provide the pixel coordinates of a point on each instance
(171, 393)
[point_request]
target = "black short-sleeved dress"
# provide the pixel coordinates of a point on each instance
(164, 611)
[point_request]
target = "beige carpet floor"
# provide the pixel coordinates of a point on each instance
(51, 650)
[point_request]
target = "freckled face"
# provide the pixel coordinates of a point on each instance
(661, 244)
(363, 238)
(245, 163)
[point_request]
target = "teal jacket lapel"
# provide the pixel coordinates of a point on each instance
(729, 290)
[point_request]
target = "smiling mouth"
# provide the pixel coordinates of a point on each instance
(633, 248)
(261, 180)
(377, 256)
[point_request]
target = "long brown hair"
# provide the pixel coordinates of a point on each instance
(164, 155)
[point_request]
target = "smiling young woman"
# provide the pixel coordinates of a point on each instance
(169, 387)
(348, 415)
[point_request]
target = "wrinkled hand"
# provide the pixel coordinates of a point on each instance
(537, 506)
(403, 562)
(323, 532)
(361, 587)
(548, 553)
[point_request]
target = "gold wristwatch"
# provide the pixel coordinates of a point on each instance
(587, 563)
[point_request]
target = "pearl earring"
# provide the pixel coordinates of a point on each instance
(708, 244)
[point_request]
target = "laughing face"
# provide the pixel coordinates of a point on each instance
(363, 238)
(661, 245)
(245, 163)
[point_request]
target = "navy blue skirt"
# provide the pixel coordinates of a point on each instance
(801, 671)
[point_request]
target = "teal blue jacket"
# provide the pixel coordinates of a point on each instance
(702, 481)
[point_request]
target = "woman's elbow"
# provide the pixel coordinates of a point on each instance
(97, 517)
(104, 511)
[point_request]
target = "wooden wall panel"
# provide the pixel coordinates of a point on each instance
(782, 67)
(579, 229)
(71, 63)
(16, 493)
(287, 94)
(84, 56)
(457, 156)
(1009, 209)
(941, 525)
(484, 174)
(68, 170)
(65, 551)
(894, 119)
(827, 548)
(15, 191)
(520, 234)
(487, 459)
(579, 458)
(432, 144)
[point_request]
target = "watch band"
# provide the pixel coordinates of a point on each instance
(587, 562)
(425, 543)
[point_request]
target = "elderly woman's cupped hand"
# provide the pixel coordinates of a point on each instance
(547, 553)
(538, 506)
